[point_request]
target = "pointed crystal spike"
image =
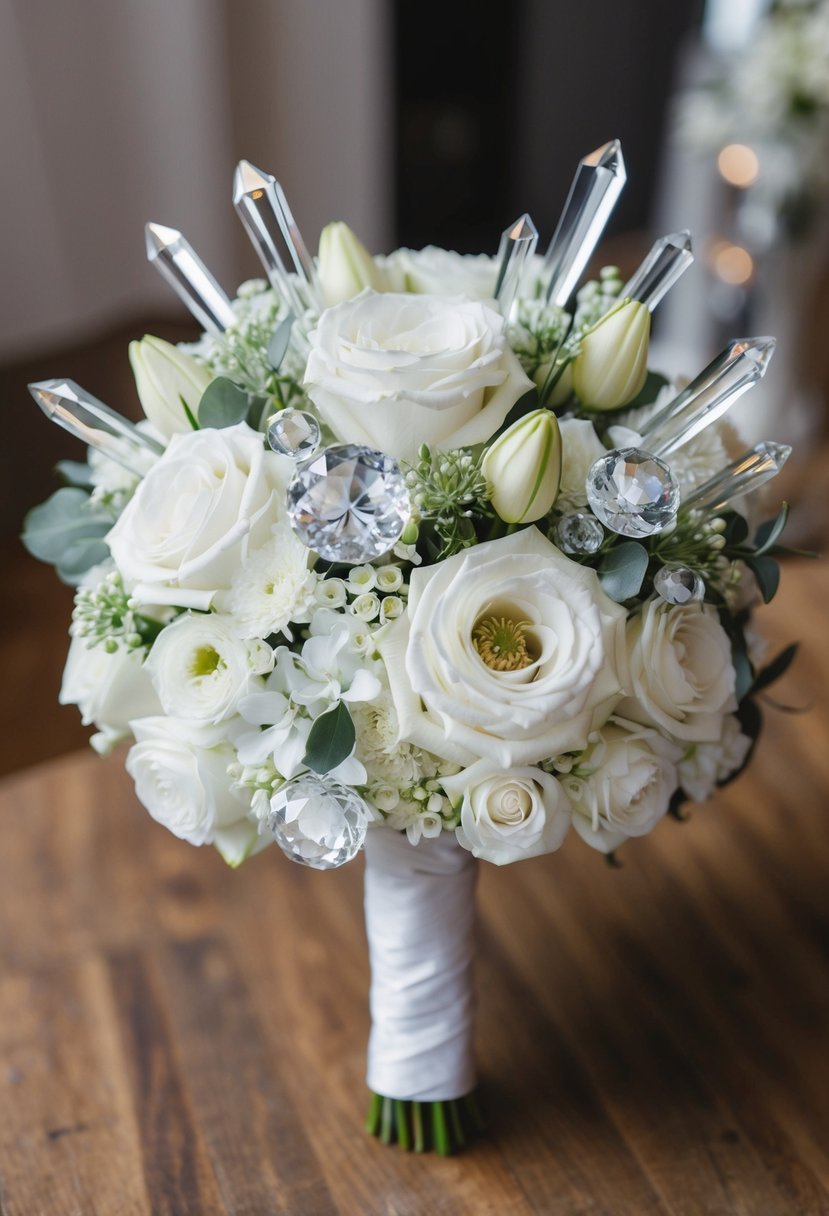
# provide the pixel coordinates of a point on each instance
(732, 373)
(196, 287)
(88, 419)
(667, 260)
(748, 472)
(595, 189)
(263, 209)
(518, 244)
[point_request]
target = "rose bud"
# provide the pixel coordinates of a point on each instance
(164, 377)
(611, 367)
(523, 468)
(345, 265)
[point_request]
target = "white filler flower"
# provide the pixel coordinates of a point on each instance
(272, 587)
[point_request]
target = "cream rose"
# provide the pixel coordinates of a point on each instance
(201, 669)
(622, 784)
(212, 494)
(442, 272)
(509, 651)
(108, 689)
(180, 774)
(681, 676)
(394, 371)
(507, 816)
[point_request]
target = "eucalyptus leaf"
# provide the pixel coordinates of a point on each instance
(650, 390)
(623, 571)
(67, 531)
(259, 410)
(75, 473)
(280, 341)
(223, 404)
(767, 572)
(769, 532)
(330, 740)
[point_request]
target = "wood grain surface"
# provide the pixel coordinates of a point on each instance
(183, 1040)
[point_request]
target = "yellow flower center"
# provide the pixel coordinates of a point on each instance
(502, 643)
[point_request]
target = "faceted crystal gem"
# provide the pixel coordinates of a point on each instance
(678, 584)
(667, 260)
(632, 492)
(748, 472)
(318, 822)
(579, 533)
(89, 420)
(518, 244)
(348, 503)
(177, 261)
(294, 433)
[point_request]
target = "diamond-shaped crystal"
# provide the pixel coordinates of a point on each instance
(294, 433)
(595, 189)
(667, 260)
(177, 262)
(632, 492)
(348, 503)
(518, 244)
(318, 822)
(579, 533)
(678, 584)
(748, 472)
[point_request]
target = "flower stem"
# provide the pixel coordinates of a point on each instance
(445, 1127)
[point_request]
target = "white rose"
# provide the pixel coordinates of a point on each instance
(443, 272)
(201, 669)
(508, 816)
(622, 785)
(394, 371)
(108, 689)
(681, 676)
(563, 637)
(180, 774)
(705, 765)
(211, 495)
(580, 448)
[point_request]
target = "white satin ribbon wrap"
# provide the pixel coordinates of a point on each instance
(420, 920)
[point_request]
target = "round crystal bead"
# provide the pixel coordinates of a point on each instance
(318, 822)
(632, 492)
(348, 503)
(678, 584)
(579, 533)
(294, 433)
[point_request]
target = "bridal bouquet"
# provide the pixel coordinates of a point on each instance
(414, 554)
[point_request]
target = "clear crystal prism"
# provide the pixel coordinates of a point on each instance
(518, 244)
(678, 585)
(294, 433)
(178, 263)
(318, 822)
(632, 492)
(667, 261)
(748, 472)
(88, 419)
(594, 192)
(348, 503)
(263, 209)
(732, 373)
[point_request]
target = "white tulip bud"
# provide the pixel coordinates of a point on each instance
(164, 377)
(611, 367)
(345, 265)
(523, 468)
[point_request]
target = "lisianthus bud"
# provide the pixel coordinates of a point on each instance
(611, 367)
(164, 376)
(345, 265)
(523, 468)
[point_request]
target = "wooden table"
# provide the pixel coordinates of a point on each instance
(177, 1038)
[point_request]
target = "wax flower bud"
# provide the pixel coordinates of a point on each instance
(523, 468)
(345, 265)
(611, 367)
(164, 378)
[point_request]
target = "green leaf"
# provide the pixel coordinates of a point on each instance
(776, 668)
(623, 570)
(75, 473)
(280, 341)
(259, 410)
(654, 383)
(767, 572)
(736, 529)
(331, 739)
(769, 532)
(742, 664)
(67, 531)
(188, 413)
(223, 404)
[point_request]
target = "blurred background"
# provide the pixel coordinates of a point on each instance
(417, 124)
